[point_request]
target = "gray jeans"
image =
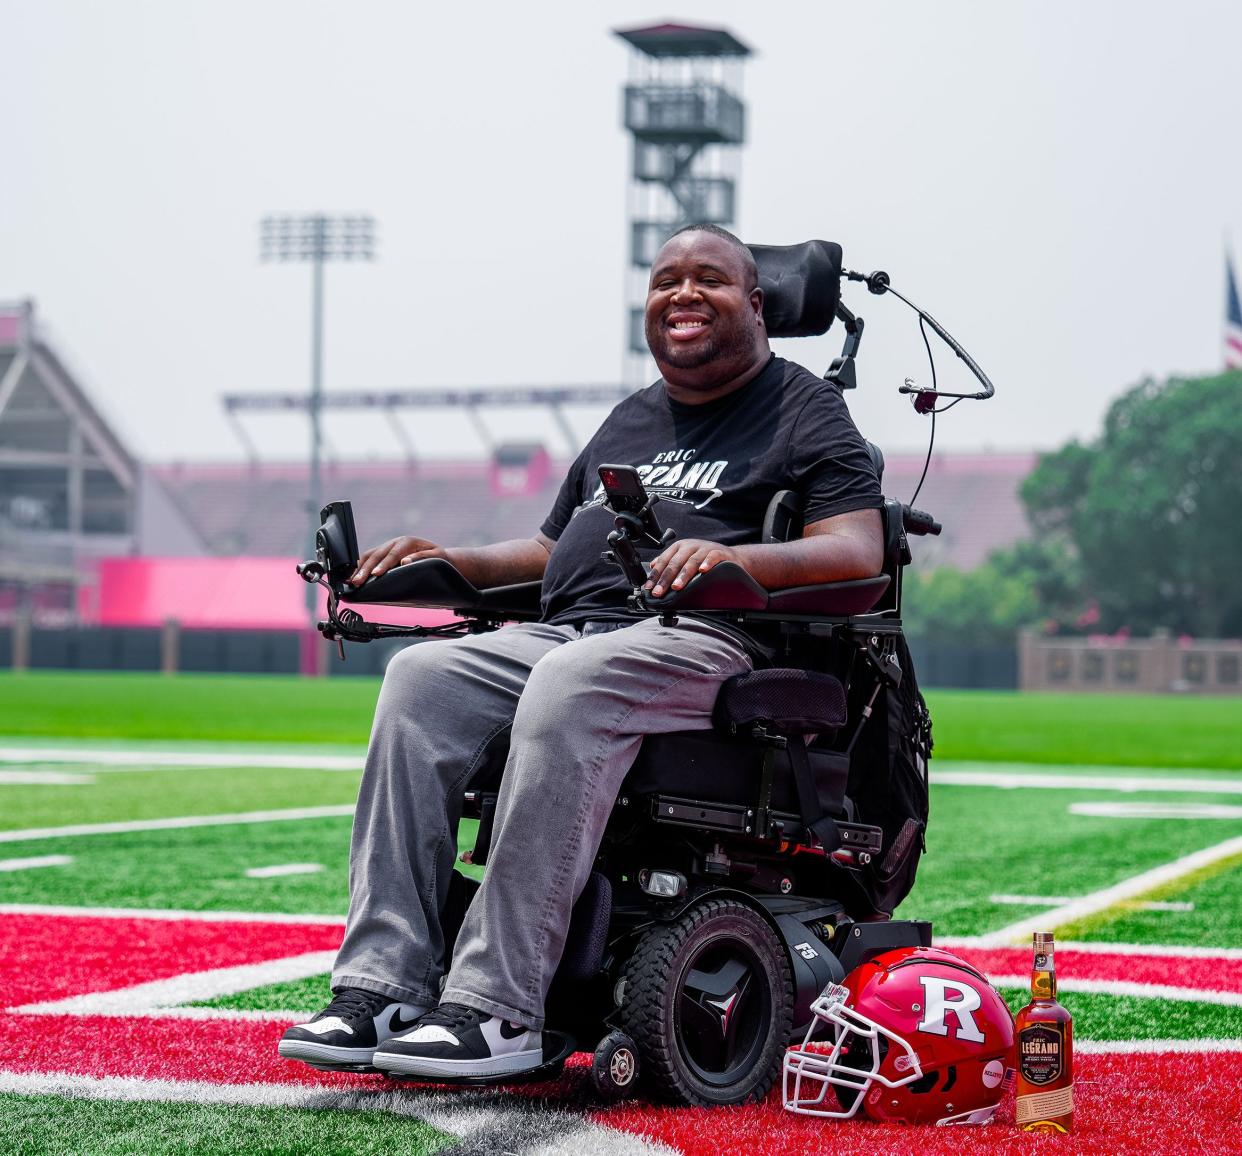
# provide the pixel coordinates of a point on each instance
(579, 704)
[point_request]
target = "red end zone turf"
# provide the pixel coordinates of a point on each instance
(1125, 1102)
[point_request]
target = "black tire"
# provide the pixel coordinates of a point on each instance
(728, 1052)
(614, 1071)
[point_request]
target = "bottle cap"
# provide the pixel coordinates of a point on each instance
(1043, 939)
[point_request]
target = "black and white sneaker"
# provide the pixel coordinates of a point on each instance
(457, 1041)
(344, 1036)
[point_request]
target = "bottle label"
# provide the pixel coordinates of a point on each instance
(1045, 1109)
(1041, 1048)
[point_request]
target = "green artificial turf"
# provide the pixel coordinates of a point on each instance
(47, 1125)
(1216, 920)
(1118, 1017)
(303, 996)
(1110, 730)
(983, 841)
(274, 708)
(198, 868)
(1090, 729)
(125, 795)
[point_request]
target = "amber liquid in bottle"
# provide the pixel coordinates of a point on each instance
(1045, 1043)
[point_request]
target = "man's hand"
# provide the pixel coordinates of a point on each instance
(833, 549)
(683, 560)
(395, 552)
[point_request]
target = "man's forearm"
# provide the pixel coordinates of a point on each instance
(501, 563)
(808, 561)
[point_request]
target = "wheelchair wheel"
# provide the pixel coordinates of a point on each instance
(614, 1069)
(709, 1002)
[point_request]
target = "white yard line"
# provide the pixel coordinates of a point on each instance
(1051, 900)
(44, 779)
(1108, 897)
(154, 997)
(1123, 988)
(1128, 1047)
(34, 862)
(483, 1119)
(1100, 947)
(138, 759)
(55, 909)
(1156, 810)
(175, 824)
(1041, 780)
(281, 869)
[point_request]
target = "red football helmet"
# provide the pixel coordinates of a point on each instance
(918, 1036)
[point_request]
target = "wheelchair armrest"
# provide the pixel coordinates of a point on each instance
(833, 599)
(518, 602)
(723, 587)
(428, 582)
(729, 587)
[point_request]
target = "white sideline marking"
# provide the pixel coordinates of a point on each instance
(484, 1118)
(53, 909)
(175, 824)
(1128, 1047)
(1108, 897)
(1157, 810)
(283, 869)
(156, 997)
(1050, 900)
(137, 760)
(1121, 987)
(44, 779)
(35, 861)
(1014, 780)
(1101, 947)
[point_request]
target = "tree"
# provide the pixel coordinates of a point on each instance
(1150, 509)
(1021, 585)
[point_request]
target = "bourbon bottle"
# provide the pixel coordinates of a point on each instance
(1045, 1042)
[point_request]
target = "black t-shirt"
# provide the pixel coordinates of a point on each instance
(715, 466)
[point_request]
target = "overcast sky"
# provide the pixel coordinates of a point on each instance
(1054, 181)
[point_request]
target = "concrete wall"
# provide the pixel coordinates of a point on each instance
(1158, 665)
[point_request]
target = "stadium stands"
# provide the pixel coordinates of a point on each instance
(261, 509)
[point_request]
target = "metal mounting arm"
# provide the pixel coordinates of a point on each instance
(842, 370)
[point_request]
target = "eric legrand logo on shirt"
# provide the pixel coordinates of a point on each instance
(676, 476)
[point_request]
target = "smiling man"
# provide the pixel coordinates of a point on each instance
(726, 427)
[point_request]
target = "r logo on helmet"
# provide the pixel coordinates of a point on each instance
(938, 1001)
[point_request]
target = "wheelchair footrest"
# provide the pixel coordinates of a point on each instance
(557, 1048)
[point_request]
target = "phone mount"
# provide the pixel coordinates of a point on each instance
(635, 528)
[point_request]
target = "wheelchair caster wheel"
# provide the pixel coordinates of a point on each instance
(614, 1071)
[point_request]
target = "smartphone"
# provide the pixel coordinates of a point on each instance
(623, 488)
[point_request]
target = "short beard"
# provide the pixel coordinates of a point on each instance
(721, 345)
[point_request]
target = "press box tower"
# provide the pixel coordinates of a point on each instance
(683, 107)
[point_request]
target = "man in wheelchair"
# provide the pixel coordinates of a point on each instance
(575, 692)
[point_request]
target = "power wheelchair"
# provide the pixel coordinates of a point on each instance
(746, 867)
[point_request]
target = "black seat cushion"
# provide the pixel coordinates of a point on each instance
(792, 701)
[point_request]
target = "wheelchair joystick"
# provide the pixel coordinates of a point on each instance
(635, 522)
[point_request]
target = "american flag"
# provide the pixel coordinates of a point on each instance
(1233, 319)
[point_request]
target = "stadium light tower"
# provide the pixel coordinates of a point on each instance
(684, 110)
(316, 237)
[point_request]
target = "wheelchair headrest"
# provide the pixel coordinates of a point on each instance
(801, 286)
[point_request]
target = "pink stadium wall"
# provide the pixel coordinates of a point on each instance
(217, 593)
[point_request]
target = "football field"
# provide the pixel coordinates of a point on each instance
(173, 882)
